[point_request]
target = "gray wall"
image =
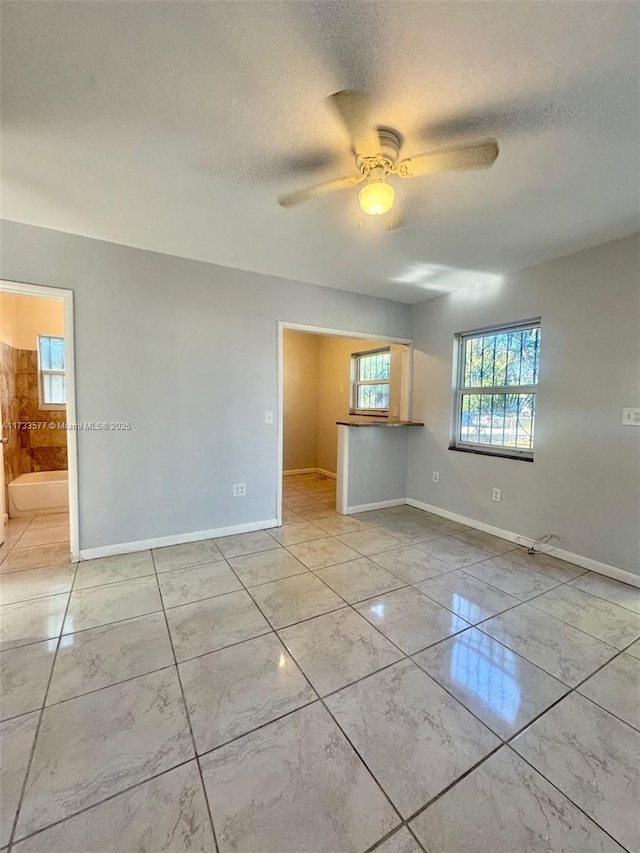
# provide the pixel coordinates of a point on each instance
(377, 464)
(187, 352)
(584, 485)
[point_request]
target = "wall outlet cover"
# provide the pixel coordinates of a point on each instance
(268, 417)
(436, 476)
(631, 417)
(496, 495)
(239, 490)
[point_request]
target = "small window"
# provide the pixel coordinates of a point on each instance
(371, 378)
(496, 390)
(53, 383)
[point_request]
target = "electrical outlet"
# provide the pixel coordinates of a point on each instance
(239, 490)
(342, 389)
(268, 417)
(631, 417)
(496, 495)
(436, 476)
(395, 412)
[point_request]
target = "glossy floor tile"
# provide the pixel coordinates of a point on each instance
(413, 736)
(612, 624)
(296, 598)
(401, 841)
(110, 740)
(503, 689)
(214, 623)
(410, 620)
(16, 740)
(45, 536)
(616, 688)
(453, 551)
(323, 552)
(592, 757)
(485, 541)
(562, 651)
(99, 605)
(359, 579)
(411, 564)
(123, 567)
(24, 674)
(246, 543)
(182, 586)
(369, 542)
(254, 569)
(337, 525)
(98, 657)
(295, 785)
(99, 727)
(338, 648)
(237, 689)
(189, 554)
(611, 590)
(35, 583)
(546, 564)
(408, 530)
(30, 621)
(504, 806)
(466, 596)
(293, 534)
(516, 580)
(36, 557)
(167, 814)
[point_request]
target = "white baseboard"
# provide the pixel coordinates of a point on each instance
(326, 473)
(309, 471)
(176, 539)
(577, 559)
(379, 505)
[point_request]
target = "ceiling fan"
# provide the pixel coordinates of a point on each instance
(377, 150)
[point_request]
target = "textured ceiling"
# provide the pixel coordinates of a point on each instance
(175, 126)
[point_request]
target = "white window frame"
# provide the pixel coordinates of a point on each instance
(50, 407)
(460, 391)
(356, 383)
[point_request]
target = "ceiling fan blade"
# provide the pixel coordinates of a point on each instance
(319, 190)
(477, 155)
(353, 109)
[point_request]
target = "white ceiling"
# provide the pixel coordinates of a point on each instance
(175, 126)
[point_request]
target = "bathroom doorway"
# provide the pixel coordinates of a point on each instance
(40, 524)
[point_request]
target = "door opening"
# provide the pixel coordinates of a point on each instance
(37, 401)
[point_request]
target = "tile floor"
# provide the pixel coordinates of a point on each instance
(392, 682)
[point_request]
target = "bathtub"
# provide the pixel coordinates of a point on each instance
(39, 494)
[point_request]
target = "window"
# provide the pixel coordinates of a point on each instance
(371, 377)
(496, 390)
(51, 366)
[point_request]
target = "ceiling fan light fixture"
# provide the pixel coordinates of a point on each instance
(376, 197)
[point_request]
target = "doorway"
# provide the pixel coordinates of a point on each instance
(325, 376)
(39, 502)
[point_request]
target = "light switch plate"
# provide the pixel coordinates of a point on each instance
(268, 417)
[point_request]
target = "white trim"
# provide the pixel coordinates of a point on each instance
(342, 480)
(176, 539)
(379, 505)
(609, 571)
(25, 289)
(326, 473)
(343, 333)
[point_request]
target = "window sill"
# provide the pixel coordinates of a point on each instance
(491, 453)
(360, 414)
